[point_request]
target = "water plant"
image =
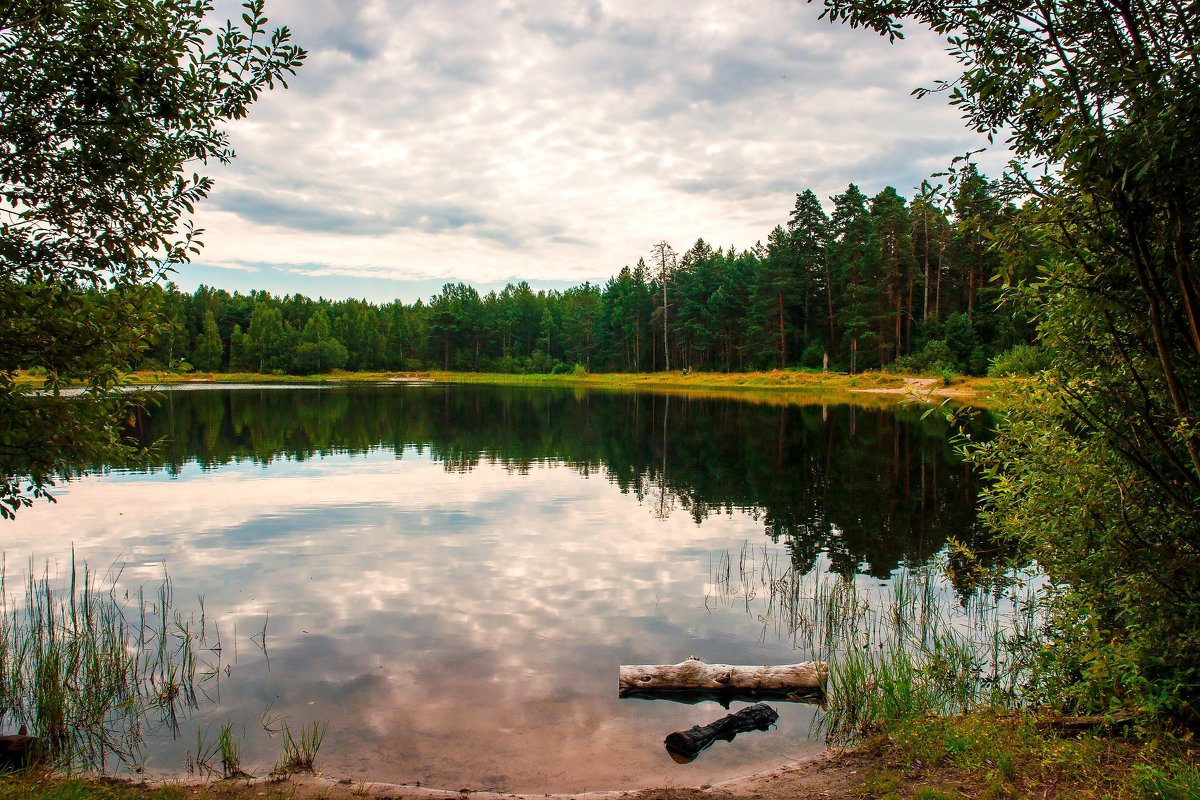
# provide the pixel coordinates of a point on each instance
(908, 648)
(231, 752)
(299, 752)
(88, 678)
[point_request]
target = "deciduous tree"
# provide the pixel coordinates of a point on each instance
(107, 110)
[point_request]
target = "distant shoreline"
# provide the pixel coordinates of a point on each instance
(987, 392)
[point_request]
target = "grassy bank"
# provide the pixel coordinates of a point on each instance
(990, 392)
(1019, 755)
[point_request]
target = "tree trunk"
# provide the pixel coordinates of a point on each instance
(829, 303)
(782, 339)
(908, 317)
(925, 243)
(695, 679)
(666, 348)
(637, 345)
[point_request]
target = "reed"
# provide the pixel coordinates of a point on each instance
(86, 676)
(298, 753)
(231, 752)
(907, 649)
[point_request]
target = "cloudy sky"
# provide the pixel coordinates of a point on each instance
(555, 142)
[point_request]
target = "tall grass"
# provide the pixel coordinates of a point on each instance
(90, 677)
(908, 648)
(298, 752)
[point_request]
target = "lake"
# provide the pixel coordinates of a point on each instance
(451, 576)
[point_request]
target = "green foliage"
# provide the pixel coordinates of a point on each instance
(106, 109)
(934, 358)
(994, 755)
(1174, 780)
(1022, 360)
(1098, 478)
(208, 350)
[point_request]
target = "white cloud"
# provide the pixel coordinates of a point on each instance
(482, 141)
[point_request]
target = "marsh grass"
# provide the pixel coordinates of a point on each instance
(902, 649)
(89, 676)
(299, 752)
(231, 752)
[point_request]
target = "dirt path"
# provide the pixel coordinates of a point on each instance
(922, 389)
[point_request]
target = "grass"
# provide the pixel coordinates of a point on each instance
(993, 755)
(925, 686)
(231, 752)
(88, 678)
(988, 392)
(299, 752)
(906, 650)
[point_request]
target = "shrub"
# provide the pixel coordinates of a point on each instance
(933, 359)
(1021, 360)
(813, 356)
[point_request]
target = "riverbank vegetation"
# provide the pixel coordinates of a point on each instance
(981, 391)
(1096, 478)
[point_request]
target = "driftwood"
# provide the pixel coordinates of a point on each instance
(684, 746)
(693, 681)
(18, 751)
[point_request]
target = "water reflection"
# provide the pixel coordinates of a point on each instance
(453, 575)
(875, 488)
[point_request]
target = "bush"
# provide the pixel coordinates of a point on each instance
(813, 356)
(963, 341)
(1021, 361)
(934, 359)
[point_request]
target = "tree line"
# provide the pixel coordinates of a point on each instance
(880, 281)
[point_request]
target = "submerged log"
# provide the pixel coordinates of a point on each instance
(693, 681)
(684, 746)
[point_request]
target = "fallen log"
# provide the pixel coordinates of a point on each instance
(18, 751)
(684, 746)
(693, 680)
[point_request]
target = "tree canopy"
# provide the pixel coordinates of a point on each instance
(108, 112)
(1100, 103)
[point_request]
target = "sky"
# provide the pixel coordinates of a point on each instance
(555, 142)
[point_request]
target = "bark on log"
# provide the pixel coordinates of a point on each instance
(694, 680)
(684, 746)
(17, 751)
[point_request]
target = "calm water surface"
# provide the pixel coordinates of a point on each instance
(451, 576)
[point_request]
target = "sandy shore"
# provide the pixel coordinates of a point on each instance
(829, 774)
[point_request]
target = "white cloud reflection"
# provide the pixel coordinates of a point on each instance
(421, 611)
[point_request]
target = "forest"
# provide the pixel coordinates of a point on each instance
(881, 281)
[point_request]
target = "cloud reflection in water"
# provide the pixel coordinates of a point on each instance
(454, 629)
